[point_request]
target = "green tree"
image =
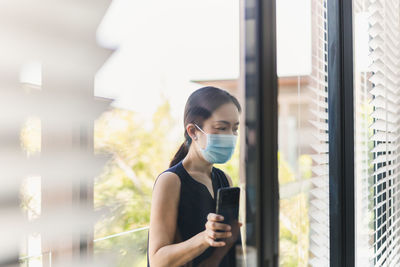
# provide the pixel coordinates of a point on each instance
(123, 190)
(294, 224)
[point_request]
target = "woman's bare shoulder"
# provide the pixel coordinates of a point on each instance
(167, 181)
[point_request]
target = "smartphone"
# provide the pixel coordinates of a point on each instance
(228, 203)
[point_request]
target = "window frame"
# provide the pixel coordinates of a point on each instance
(261, 131)
(341, 133)
(261, 116)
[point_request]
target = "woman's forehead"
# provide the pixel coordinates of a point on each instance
(227, 114)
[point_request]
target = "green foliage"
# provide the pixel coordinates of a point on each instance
(139, 150)
(305, 163)
(285, 173)
(293, 219)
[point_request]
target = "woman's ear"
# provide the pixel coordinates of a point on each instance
(191, 130)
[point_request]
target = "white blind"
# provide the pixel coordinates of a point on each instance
(384, 35)
(319, 192)
(377, 96)
(48, 60)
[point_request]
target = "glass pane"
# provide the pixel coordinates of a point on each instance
(160, 59)
(376, 106)
(125, 249)
(303, 133)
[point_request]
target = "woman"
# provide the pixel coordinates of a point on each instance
(184, 229)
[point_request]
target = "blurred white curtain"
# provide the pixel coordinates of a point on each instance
(48, 60)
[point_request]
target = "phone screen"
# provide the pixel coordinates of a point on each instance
(228, 203)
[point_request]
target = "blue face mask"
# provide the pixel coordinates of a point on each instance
(220, 147)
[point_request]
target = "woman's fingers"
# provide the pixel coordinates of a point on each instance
(216, 230)
(214, 243)
(218, 226)
(216, 235)
(215, 217)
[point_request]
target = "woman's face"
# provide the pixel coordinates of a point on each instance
(224, 120)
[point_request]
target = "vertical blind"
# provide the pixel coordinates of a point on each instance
(377, 95)
(48, 60)
(319, 192)
(384, 34)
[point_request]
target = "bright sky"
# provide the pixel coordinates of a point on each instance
(293, 22)
(162, 45)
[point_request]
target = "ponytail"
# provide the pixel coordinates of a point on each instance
(181, 153)
(199, 107)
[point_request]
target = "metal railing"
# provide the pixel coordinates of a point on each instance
(39, 255)
(121, 234)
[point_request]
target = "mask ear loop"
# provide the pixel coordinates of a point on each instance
(202, 132)
(199, 128)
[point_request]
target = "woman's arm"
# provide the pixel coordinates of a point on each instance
(163, 217)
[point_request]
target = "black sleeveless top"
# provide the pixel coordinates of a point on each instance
(194, 205)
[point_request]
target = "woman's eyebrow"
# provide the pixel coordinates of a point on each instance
(227, 122)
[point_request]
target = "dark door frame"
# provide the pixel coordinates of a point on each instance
(261, 115)
(341, 133)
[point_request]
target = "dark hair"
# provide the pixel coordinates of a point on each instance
(199, 107)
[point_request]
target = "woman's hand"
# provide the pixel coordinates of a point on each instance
(215, 259)
(211, 233)
(235, 233)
